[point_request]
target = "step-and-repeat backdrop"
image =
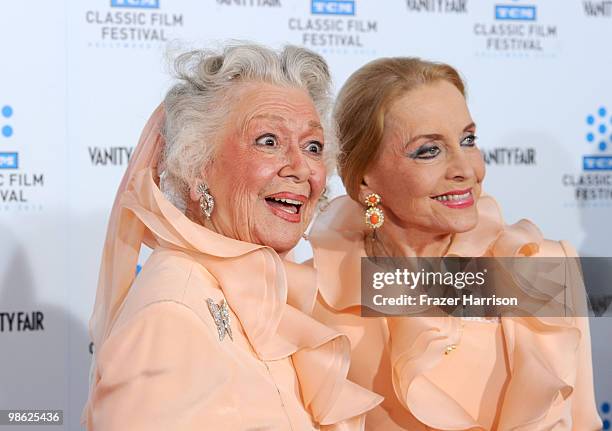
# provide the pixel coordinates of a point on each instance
(79, 78)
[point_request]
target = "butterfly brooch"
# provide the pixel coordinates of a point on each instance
(221, 316)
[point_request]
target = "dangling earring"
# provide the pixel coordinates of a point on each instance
(374, 216)
(323, 200)
(207, 202)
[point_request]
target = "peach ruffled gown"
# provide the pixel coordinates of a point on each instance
(163, 367)
(159, 362)
(509, 374)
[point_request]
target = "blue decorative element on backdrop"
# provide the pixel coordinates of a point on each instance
(9, 160)
(140, 4)
(605, 410)
(7, 112)
(332, 7)
(504, 12)
(598, 133)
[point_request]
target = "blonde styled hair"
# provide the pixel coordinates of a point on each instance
(365, 99)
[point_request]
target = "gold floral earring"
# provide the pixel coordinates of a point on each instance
(374, 216)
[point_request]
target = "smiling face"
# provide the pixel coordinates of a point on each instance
(428, 171)
(268, 171)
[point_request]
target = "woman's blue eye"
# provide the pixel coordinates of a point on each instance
(315, 147)
(469, 141)
(267, 140)
(425, 152)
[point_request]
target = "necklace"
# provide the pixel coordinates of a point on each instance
(374, 242)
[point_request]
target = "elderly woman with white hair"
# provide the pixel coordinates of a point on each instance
(215, 331)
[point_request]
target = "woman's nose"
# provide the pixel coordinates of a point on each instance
(296, 165)
(460, 166)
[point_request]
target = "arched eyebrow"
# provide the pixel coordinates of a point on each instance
(430, 136)
(277, 118)
(437, 136)
(315, 125)
(472, 125)
(273, 117)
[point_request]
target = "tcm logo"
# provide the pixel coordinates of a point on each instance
(600, 136)
(333, 7)
(9, 161)
(515, 13)
(597, 163)
(142, 4)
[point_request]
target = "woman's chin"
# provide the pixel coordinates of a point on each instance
(280, 243)
(464, 225)
(283, 248)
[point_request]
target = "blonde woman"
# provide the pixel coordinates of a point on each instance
(414, 175)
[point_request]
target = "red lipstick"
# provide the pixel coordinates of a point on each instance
(286, 205)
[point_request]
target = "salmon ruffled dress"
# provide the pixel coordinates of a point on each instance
(506, 374)
(163, 366)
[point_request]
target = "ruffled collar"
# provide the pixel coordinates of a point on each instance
(258, 300)
(272, 303)
(337, 238)
(338, 233)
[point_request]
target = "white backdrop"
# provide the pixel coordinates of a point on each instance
(79, 78)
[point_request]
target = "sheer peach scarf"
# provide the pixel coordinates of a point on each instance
(124, 237)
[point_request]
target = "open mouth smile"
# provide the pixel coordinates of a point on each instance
(286, 205)
(456, 199)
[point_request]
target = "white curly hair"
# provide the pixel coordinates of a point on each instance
(197, 106)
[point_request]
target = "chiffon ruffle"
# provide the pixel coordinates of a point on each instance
(272, 311)
(543, 352)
